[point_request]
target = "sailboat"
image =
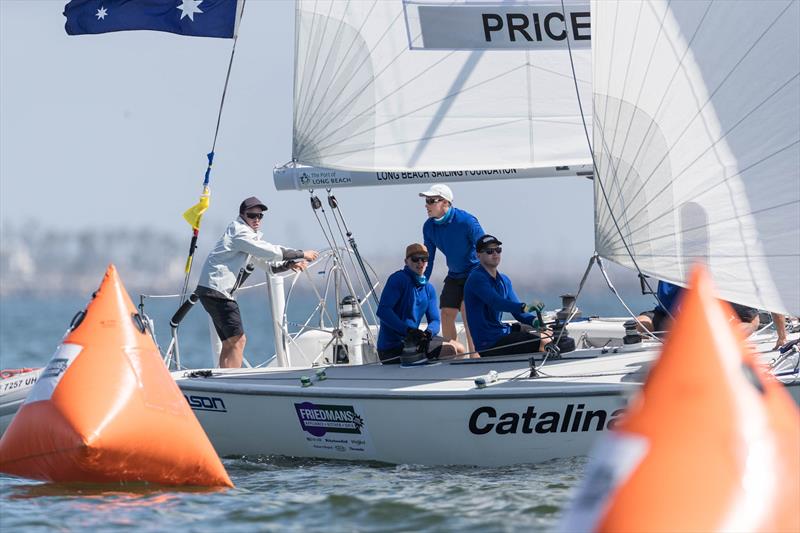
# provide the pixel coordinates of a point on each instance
(695, 133)
(688, 126)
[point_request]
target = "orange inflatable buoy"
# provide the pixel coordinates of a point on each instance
(711, 443)
(106, 409)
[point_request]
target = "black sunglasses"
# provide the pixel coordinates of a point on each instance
(492, 251)
(254, 216)
(419, 258)
(431, 201)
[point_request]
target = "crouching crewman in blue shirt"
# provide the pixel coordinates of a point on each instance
(406, 297)
(487, 294)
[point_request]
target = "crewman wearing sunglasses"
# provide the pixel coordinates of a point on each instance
(406, 298)
(240, 245)
(488, 293)
(454, 232)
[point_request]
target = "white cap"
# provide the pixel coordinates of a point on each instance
(439, 189)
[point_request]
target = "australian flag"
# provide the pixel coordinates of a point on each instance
(199, 18)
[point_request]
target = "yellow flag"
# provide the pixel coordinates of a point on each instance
(195, 213)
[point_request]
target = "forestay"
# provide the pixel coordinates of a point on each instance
(696, 134)
(392, 86)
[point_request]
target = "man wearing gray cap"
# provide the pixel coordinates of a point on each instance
(240, 245)
(454, 232)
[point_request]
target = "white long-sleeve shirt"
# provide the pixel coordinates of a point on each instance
(238, 246)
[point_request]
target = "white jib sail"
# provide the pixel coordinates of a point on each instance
(439, 85)
(697, 139)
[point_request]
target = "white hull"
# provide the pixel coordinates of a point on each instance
(433, 414)
(13, 391)
(430, 415)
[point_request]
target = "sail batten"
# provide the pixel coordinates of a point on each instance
(697, 140)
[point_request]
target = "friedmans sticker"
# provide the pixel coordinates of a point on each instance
(318, 419)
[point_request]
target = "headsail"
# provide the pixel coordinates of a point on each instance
(390, 86)
(697, 139)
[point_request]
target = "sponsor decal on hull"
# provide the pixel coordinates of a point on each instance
(205, 403)
(575, 418)
(334, 429)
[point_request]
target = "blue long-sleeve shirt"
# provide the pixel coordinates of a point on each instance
(485, 300)
(667, 294)
(403, 303)
(455, 237)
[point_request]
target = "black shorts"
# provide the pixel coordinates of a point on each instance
(452, 293)
(658, 317)
(224, 312)
(523, 338)
(392, 356)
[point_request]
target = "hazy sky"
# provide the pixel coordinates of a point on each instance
(112, 130)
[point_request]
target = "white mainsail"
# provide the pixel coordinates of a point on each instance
(403, 86)
(697, 140)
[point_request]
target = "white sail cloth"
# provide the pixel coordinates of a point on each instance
(370, 96)
(697, 140)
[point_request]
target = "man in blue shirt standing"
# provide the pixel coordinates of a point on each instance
(488, 293)
(405, 299)
(454, 232)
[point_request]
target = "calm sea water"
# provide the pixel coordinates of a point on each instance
(272, 493)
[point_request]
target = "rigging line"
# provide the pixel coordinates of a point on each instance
(630, 312)
(367, 56)
(319, 308)
(345, 274)
(303, 123)
(653, 219)
(331, 245)
(225, 87)
(207, 177)
(323, 311)
(594, 162)
(334, 253)
(708, 100)
(592, 260)
(350, 253)
(424, 106)
(316, 79)
(660, 103)
(317, 54)
(337, 212)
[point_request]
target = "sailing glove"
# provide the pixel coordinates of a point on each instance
(414, 335)
(534, 306)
